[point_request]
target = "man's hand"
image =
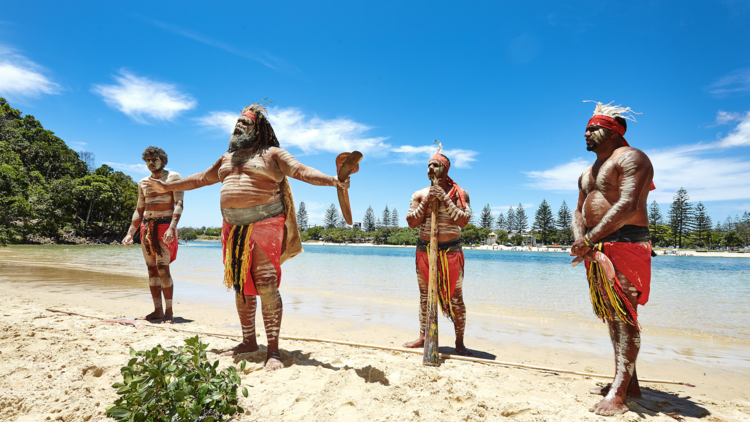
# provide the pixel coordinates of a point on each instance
(157, 185)
(170, 235)
(437, 192)
(127, 241)
(339, 184)
(580, 249)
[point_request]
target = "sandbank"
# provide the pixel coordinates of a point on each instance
(60, 367)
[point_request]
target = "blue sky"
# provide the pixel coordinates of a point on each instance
(501, 84)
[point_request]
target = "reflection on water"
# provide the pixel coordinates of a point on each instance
(700, 298)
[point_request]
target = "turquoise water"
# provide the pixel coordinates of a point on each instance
(706, 298)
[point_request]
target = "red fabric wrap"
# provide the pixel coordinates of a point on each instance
(267, 234)
(251, 116)
(162, 228)
(633, 260)
(455, 263)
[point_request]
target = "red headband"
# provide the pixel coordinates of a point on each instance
(251, 116)
(443, 160)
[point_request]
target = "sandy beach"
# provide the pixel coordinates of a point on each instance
(60, 367)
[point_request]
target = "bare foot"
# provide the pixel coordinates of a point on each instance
(274, 362)
(462, 351)
(168, 318)
(241, 348)
(415, 344)
(153, 315)
(634, 390)
(609, 407)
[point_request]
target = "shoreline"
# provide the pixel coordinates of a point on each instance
(64, 365)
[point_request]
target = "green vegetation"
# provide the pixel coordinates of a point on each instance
(48, 191)
(203, 233)
(165, 385)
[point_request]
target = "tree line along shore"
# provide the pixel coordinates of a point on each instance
(50, 193)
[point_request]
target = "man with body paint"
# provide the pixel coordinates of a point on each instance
(157, 215)
(454, 212)
(260, 230)
(611, 217)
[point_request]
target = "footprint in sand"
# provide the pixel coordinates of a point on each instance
(347, 412)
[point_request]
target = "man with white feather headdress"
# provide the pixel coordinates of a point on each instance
(610, 225)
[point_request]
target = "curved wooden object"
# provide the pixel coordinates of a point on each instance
(346, 164)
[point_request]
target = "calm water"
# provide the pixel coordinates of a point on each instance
(706, 298)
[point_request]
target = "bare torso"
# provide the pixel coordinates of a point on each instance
(604, 184)
(159, 204)
(448, 227)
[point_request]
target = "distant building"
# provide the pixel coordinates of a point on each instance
(357, 225)
(491, 239)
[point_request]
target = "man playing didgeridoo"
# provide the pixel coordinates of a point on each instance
(453, 214)
(157, 215)
(260, 230)
(611, 219)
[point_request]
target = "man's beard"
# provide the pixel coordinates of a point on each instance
(242, 141)
(597, 138)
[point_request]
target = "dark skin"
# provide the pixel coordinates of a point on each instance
(448, 229)
(613, 192)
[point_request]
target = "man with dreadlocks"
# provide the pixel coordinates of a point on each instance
(453, 214)
(610, 225)
(157, 215)
(260, 226)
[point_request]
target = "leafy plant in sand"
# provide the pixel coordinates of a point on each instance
(181, 385)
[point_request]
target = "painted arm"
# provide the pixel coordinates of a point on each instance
(296, 170)
(636, 171)
(418, 210)
(171, 233)
(137, 217)
(195, 181)
(579, 227)
(460, 215)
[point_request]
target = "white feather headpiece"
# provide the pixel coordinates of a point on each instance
(440, 147)
(613, 110)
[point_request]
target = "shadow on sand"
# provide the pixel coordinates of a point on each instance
(655, 402)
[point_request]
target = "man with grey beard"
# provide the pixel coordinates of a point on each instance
(610, 225)
(260, 230)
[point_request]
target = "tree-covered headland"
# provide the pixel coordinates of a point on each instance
(49, 193)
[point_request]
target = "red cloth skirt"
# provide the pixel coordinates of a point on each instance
(633, 260)
(161, 229)
(268, 235)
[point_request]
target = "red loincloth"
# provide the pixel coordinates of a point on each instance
(633, 260)
(268, 234)
(161, 229)
(455, 266)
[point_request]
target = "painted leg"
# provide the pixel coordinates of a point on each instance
(422, 283)
(627, 341)
(166, 290)
(154, 284)
(459, 316)
(267, 282)
(246, 312)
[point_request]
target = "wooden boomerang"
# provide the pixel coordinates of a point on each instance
(346, 164)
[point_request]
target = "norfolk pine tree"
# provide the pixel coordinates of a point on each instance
(522, 222)
(331, 217)
(368, 223)
(500, 223)
(544, 221)
(386, 218)
(701, 224)
(485, 219)
(680, 216)
(564, 221)
(302, 217)
(394, 218)
(511, 221)
(655, 223)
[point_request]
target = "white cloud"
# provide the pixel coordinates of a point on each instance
(136, 168)
(20, 77)
(725, 117)
(221, 121)
(140, 97)
(740, 135)
(737, 82)
(460, 158)
(562, 178)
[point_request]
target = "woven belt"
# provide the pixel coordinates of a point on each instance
(449, 246)
(250, 215)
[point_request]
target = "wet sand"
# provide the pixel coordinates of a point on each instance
(61, 367)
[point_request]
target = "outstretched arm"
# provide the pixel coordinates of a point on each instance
(171, 233)
(636, 171)
(137, 217)
(195, 181)
(296, 170)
